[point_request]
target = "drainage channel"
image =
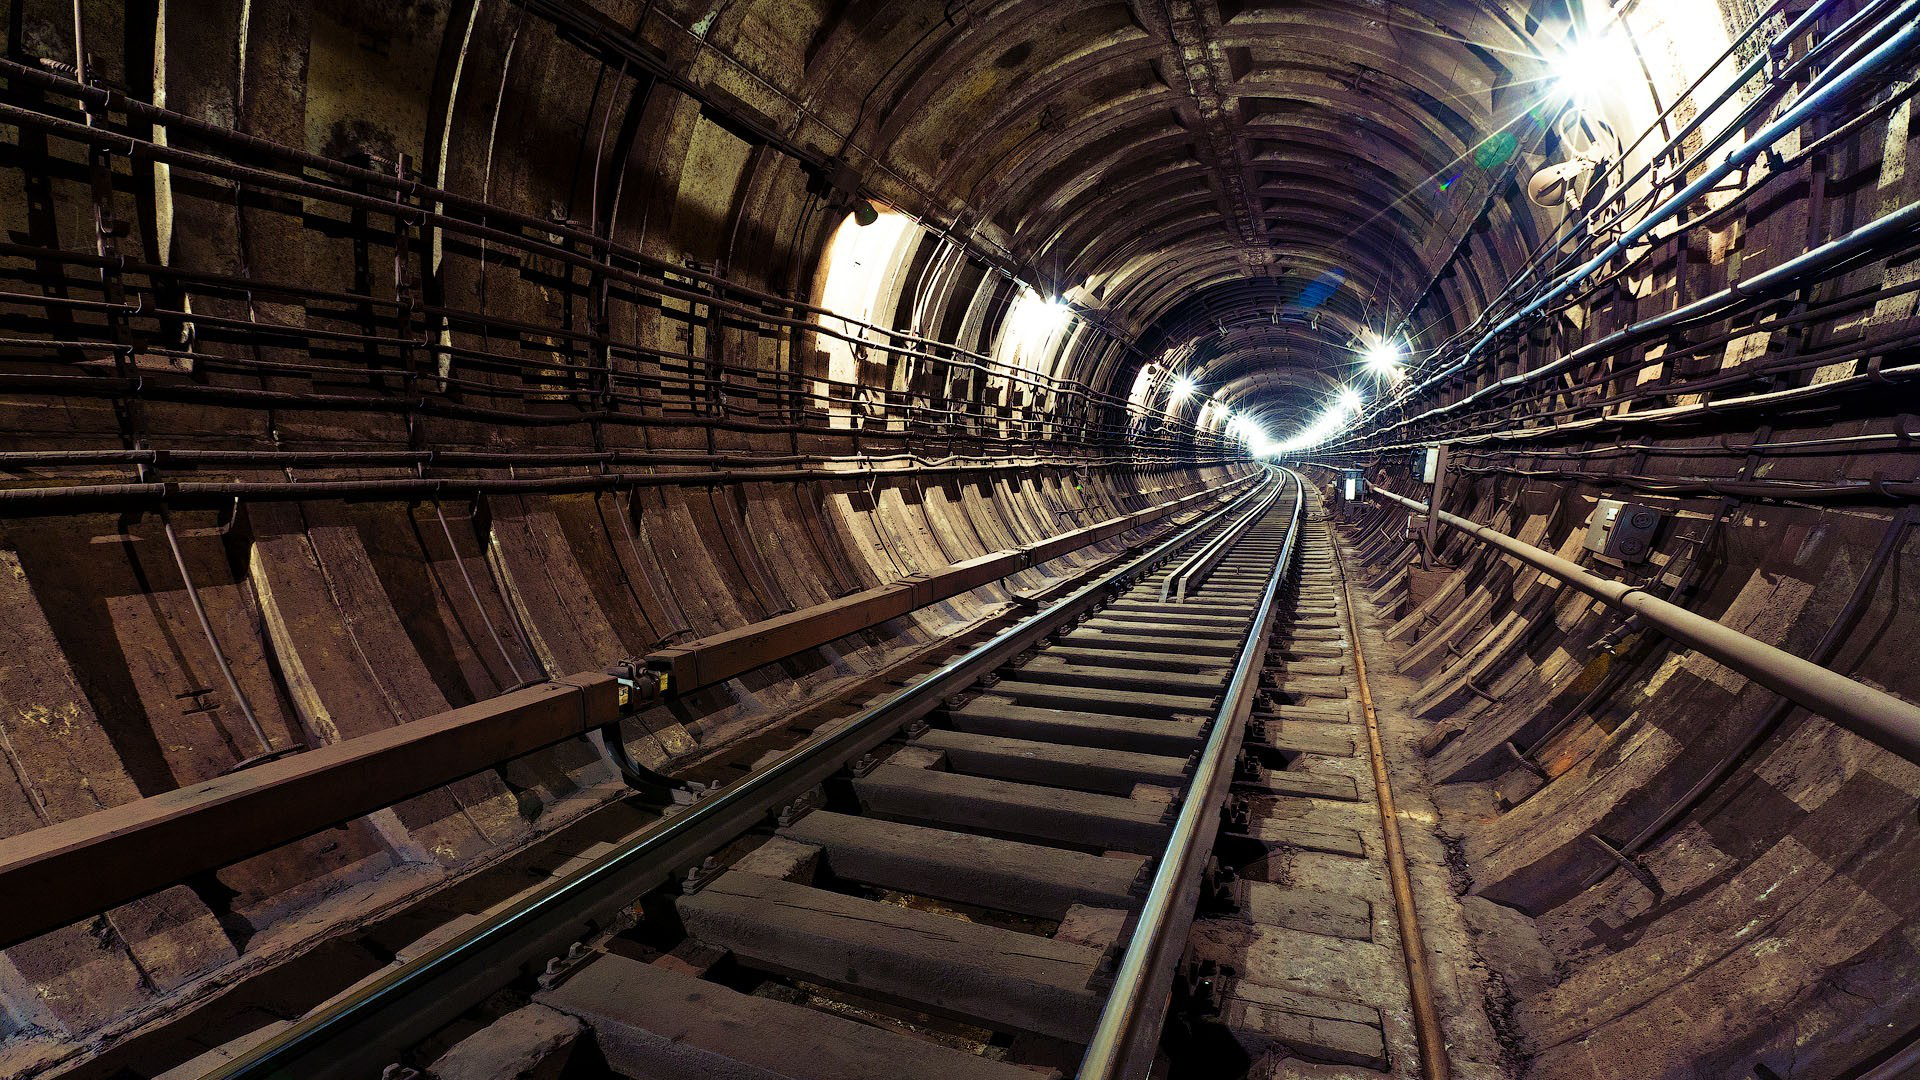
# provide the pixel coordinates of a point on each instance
(949, 884)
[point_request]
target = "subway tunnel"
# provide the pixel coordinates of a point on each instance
(828, 539)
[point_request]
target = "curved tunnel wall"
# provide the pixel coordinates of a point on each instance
(461, 343)
(1769, 853)
(453, 354)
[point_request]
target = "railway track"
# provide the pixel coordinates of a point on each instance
(994, 871)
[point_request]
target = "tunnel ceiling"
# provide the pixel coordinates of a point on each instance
(1253, 182)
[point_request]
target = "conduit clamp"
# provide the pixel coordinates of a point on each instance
(640, 689)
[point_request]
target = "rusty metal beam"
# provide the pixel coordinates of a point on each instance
(56, 875)
(719, 657)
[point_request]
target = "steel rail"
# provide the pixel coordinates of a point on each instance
(1201, 563)
(359, 1033)
(1128, 1034)
(1867, 711)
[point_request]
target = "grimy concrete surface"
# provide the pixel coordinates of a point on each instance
(631, 370)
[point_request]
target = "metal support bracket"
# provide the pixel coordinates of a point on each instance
(560, 967)
(1630, 864)
(1523, 760)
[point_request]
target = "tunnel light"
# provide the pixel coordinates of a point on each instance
(1183, 388)
(1350, 399)
(1587, 65)
(1033, 322)
(1383, 359)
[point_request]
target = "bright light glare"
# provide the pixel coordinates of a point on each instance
(1183, 388)
(1383, 359)
(1032, 324)
(1587, 67)
(1330, 423)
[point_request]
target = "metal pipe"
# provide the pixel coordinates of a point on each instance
(1898, 225)
(1823, 652)
(425, 195)
(1781, 490)
(1772, 399)
(1744, 155)
(1124, 1041)
(1584, 223)
(177, 492)
(1868, 712)
(1434, 1064)
(1589, 224)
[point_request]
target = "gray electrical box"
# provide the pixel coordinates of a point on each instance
(1353, 485)
(1429, 464)
(1622, 531)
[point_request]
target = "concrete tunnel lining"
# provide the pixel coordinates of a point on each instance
(460, 345)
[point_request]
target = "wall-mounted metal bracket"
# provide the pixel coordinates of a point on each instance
(1630, 864)
(640, 688)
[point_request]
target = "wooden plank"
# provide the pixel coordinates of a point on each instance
(1314, 687)
(991, 714)
(1315, 1028)
(1115, 673)
(650, 1022)
(1303, 784)
(1002, 874)
(1103, 821)
(1320, 712)
(1293, 833)
(1192, 613)
(1309, 666)
(1045, 691)
(1085, 768)
(1306, 738)
(1215, 666)
(986, 975)
(1288, 651)
(1214, 635)
(1172, 644)
(1308, 910)
(54, 875)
